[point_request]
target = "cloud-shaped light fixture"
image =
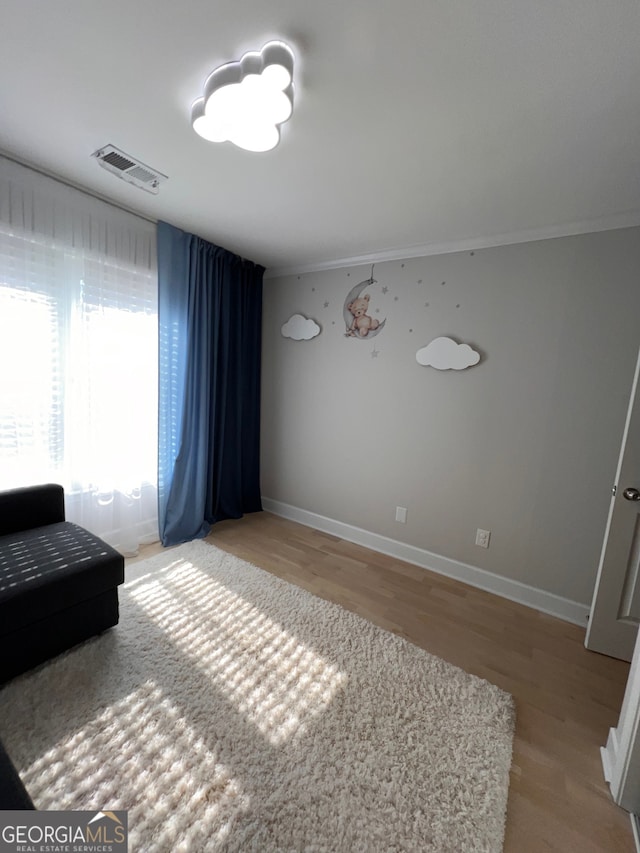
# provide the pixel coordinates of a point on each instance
(445, 354)
(246, 102)
(299, 328)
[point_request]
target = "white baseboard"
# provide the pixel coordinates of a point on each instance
(608, 755)
(538, 599)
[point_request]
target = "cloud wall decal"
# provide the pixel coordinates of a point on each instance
(299, 328)
(445, 354)
(246, 102)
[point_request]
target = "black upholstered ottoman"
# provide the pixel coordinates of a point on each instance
(58, 582)
(13, 794)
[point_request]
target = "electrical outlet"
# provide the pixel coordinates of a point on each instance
(401, 514)
(482, 537)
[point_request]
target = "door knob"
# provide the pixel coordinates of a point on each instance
(631, 494)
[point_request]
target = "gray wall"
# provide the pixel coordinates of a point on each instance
(524, 444)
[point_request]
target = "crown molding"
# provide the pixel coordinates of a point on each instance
(628, 219)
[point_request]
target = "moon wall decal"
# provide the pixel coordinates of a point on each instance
(357, 322)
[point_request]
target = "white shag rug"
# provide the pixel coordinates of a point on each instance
(232, 711)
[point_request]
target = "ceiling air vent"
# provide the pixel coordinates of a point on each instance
(125, 167)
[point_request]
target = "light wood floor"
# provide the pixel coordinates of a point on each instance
(566, 697)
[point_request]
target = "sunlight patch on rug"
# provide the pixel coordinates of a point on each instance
(231, 711)
(271, 678)
(145, 737)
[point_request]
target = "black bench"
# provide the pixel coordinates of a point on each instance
(58, 582)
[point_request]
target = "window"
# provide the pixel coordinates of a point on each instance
(78, 379)
(31, 394)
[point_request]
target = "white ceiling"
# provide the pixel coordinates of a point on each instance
(418, 125)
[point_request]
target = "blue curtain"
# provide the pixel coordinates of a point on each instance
(210, 325)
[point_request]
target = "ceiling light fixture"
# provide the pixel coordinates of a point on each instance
(246, 102)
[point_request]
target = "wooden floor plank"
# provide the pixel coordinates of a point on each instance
(567, 698)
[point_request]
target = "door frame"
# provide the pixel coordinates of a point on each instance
(621, 755)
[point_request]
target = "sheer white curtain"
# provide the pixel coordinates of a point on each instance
(79, 354)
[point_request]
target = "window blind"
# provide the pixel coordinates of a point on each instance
(78, 356)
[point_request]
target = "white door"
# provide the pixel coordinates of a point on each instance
(615, 610)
